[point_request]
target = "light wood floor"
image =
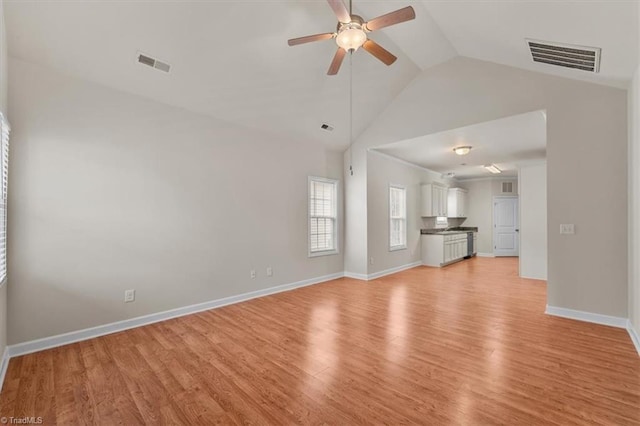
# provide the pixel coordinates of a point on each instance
(467, 344)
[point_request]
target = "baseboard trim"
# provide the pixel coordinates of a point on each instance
(393, 270)
(4, 364)
(635, 337)
(102, 330)
(356, 276)
(587, 317)
(485, 255)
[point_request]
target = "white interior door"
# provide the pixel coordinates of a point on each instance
(505, 226)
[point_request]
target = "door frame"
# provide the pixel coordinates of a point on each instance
(493, 219)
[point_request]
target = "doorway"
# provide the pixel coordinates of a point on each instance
(505, 226)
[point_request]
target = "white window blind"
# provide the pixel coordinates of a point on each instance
(323, 216)
(4, 162)
(397, 218)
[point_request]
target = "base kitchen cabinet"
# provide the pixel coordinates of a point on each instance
(440, 250)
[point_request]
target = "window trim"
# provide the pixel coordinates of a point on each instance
(336, 186)
(405, 218)
(5, 129)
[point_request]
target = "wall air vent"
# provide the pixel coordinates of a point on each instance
(565, 55)
(507, 187)
(152, 62)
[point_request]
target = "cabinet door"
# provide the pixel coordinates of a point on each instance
(443, 201)
(445, 196)
(460, 196)
(435, 208)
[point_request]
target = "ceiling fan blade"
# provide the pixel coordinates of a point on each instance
(337, 61)
(392, 18)
(379, 52)
(309, 39)
(341, 11)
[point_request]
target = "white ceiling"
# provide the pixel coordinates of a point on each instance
(509, 143)
(496, 30)
(230, 59)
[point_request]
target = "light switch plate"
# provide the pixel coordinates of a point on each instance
(567, 228)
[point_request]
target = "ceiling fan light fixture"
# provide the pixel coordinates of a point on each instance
(351, 36)
(462, 150)
(493, 168)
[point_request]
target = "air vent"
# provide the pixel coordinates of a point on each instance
(326, 127)
(153, 63)
(507, 187)
(565, 55)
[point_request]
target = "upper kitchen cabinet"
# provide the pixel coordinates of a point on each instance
(434, 200)
(457, 203)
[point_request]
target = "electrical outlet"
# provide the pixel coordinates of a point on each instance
(253, 273)
(567, 228)
(269, 271)
(129, 296)
(371, 261)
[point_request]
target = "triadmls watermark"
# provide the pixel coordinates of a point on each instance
(21, 420)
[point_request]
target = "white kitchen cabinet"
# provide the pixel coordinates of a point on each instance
(434, 200)
(457, 202)
(440, 250)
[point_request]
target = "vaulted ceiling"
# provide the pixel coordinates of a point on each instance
(230, 59)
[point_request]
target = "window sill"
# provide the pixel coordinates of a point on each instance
(323, 253)
(396, 248)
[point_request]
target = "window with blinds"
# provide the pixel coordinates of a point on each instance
(4, 162)
(397, 218)
(323, 217)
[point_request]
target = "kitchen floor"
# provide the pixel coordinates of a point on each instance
(465, 344)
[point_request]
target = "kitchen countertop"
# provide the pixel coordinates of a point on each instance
(445, 231)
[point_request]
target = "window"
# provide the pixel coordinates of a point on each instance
(397, 217)
(4, 163)
(323, 217)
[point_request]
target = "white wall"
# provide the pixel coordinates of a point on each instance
(586, 125)
(532, 181)
(109, 191)
(480, 207)
(3, 109)
(383, 171)
(480, 213)
(634, 196)
(356, 240)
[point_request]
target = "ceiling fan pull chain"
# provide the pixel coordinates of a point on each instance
(350, 108)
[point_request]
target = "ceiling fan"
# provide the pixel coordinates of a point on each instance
(351, 33)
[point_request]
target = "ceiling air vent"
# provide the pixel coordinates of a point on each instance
(326, 127)
(565, 55)
(153, 63)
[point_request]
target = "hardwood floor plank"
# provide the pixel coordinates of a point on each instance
(465, 344)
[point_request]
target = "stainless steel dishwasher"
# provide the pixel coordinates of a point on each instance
(469, 245)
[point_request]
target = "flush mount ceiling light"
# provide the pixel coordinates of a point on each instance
(493, 168)
(462, 150)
